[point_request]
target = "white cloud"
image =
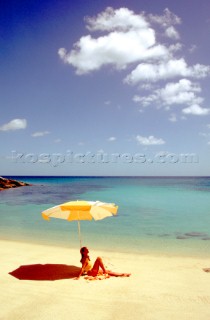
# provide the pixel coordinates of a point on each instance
(166, 70)
(192, 48)
(147, 141)
(175, 47)
(195, 109)
(120, 19)
(125, 40)
(130, 39)
(91, 54)
(174, 93)
(167, 19)
(173, 117)
(181, 92)
(112, 139)
(146, 86)
(146, 100)
(15, 124)
(172, 33)
(40, 134)
(203, 134)
(199, 71)
(62, 53)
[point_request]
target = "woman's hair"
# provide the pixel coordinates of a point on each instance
(83, 257)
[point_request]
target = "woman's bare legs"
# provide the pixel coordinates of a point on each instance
(118, 274)
(97, 264)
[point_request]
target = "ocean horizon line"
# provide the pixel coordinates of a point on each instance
(100, 176)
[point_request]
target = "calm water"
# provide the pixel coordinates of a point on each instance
(161, 215)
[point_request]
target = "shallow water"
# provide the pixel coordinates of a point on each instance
(156, 215)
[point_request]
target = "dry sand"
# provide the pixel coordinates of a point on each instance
(160, 287)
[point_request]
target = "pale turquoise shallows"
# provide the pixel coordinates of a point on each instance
(156, 215)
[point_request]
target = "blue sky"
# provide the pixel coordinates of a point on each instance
(105, 88)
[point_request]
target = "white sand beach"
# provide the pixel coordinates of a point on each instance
(160, 287)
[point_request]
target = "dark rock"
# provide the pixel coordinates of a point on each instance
(164, 235)
(182, 237)
(10, 183)
(195, 234)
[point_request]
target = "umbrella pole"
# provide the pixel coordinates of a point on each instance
(80, 241)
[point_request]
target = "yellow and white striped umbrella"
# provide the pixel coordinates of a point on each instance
(81, 210)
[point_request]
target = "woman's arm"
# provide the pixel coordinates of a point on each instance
(81, 272)
(82, 269)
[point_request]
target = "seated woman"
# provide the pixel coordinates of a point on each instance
(97, 268)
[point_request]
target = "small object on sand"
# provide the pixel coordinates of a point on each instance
(206, 269)
(100, 277)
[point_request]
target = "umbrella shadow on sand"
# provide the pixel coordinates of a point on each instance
(45, 272)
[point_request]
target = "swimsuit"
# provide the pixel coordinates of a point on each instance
(88, 266)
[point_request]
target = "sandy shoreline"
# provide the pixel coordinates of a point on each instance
(161, 287)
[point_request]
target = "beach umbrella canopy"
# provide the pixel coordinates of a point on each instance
(81, 210)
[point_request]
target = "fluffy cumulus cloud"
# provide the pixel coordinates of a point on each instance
(183, 93)
(120, 19)
(195, 109)
(91, 54)
(15, 124)
(148, 141)
(166, 70)
(130, 39)
(148, 47)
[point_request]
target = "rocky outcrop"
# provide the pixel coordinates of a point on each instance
(10, 183)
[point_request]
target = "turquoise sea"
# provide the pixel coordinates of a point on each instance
(161, 215)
